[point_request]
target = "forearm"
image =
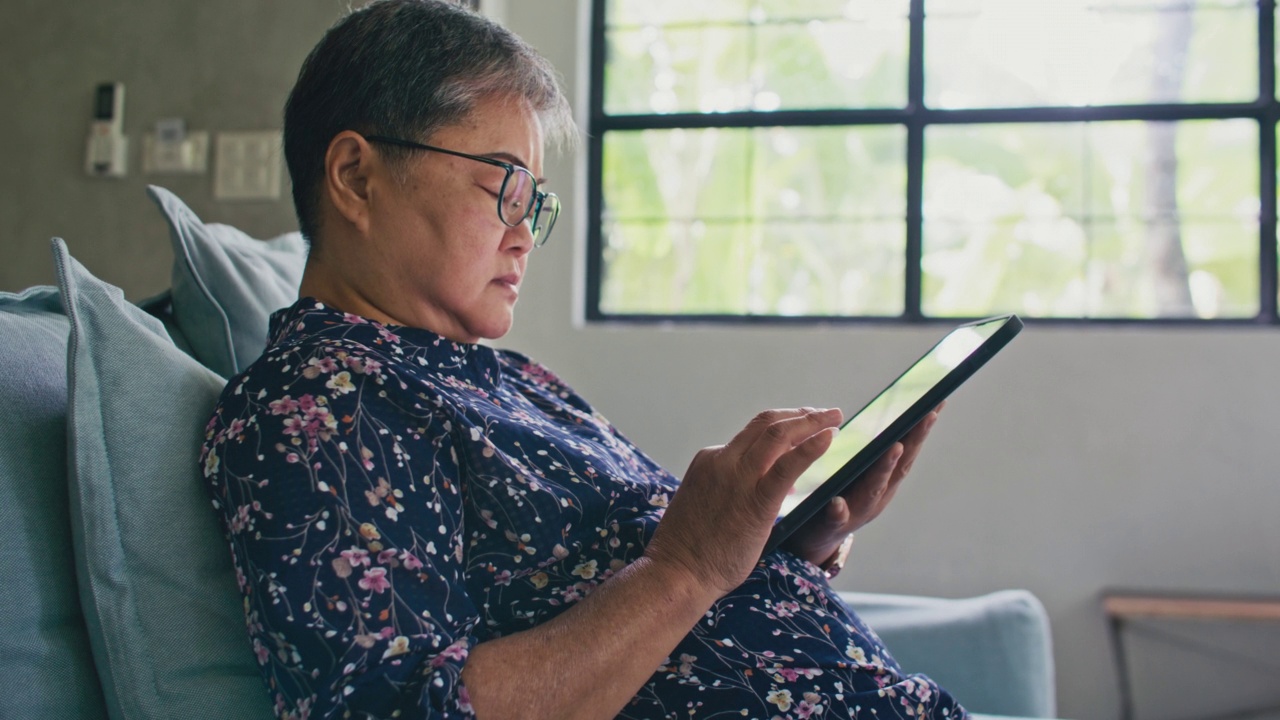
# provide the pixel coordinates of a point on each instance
(588, 662)
(593, 658)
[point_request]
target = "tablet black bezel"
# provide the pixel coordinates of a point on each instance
(852, 470)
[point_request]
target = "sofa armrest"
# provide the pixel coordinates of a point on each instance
(993, 652)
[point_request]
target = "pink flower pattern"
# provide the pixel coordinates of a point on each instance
(375, 579)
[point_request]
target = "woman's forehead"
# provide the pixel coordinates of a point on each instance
(502, 127)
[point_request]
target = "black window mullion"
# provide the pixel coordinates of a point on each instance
(1267, 256)
(595, 164)
(754, 119)
(932, 116)
(912, 309)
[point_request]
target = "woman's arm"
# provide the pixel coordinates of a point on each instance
(589, 661)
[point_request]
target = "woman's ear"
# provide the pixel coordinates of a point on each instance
(347, 166)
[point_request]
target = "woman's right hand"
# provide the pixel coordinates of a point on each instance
(722, 513)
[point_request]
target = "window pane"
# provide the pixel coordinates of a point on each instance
(810, 9)
(674, 12)
(1013, 53)
(795, 268)
(786, 221)
(657, 175)
(1125, 219)
(755, 56)
(696, 68)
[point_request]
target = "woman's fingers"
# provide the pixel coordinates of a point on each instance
(720, 517)
(867, 499)
(835, 516)
(782, 472)
(912, 444)
(876, 487)
(764, 421)
(773, 434)
(864, 500)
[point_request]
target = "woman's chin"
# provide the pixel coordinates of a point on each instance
(495, 328)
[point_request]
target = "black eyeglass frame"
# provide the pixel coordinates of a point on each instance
(538, 197)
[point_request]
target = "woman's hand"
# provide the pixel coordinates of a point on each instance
(718, 521)
(818, 539)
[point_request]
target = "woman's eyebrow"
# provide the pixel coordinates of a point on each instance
(514, 160)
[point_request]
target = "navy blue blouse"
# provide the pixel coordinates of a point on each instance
(392, 499)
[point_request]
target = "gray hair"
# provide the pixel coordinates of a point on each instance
(407, 68)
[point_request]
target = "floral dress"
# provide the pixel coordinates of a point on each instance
(392, 499)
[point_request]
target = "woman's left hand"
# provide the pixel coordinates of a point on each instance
(819, 538)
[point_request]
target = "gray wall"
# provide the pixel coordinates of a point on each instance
(223, 66)
(1082, 458)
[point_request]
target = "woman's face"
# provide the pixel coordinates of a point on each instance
(455, 268)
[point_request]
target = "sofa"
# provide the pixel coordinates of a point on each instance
(121, 600)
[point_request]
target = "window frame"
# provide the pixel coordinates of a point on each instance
(916, 117)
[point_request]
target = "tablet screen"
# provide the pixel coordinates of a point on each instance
(899, 407)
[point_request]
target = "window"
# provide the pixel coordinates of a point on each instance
(920, 159)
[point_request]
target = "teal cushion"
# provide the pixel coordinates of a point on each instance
(161, 308)
(993, 652)
(156, 582)
(226, 284)
(44, 650)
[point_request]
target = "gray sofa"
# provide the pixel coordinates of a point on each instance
(120, 599)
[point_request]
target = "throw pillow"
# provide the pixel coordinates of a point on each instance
(44, 650)
(226, 284)
(160, 307)
(156, 581)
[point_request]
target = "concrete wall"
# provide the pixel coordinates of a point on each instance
(1083, 458)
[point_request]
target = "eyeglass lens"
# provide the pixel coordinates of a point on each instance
(546, 218)
(520, 199)
(517, 196)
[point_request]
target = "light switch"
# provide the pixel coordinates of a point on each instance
(247, 166)
(188, 154)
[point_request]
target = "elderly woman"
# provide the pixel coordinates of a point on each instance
(426, 527)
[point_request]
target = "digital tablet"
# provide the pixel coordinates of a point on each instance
(871, 431)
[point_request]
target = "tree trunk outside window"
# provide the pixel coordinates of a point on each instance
(1164, 228)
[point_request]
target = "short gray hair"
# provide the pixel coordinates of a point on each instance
(407, 68)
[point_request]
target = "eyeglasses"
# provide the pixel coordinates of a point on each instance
(518, 200)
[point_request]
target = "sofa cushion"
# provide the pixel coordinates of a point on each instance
(226, 284)
(44, 651)
(156, 581)
(993, 652)
(160, 307)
